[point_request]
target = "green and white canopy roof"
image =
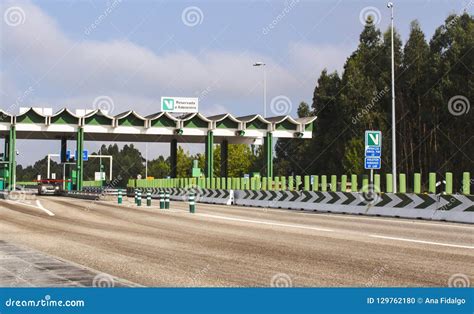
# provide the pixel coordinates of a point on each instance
(130, 126)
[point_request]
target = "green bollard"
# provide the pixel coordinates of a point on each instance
(162, 200)
(148, 198)
(343, 183)
(354, 183)
(306, 183)
(298, 183)
(192, 205)
(119, 199)
(324, 183)
(139, 198)
(315, 183)
(270, 184)
(167, 200)
(417, 183)
(136, 196)
(365, 183)
(466, 183)
(403, 183)
(264, 183)
(277, 184)
(283, 183)
(432, 183)
(449, 183)
(290, 183)
(377, 183)
(389, 182)
(333, 183)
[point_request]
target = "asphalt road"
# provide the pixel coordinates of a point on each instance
(239, 246)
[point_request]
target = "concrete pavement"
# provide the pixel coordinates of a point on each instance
(239, 246)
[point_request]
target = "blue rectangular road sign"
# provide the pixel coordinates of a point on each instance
(372, 162)
(373, 151)
(85, 155)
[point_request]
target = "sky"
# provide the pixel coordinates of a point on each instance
(120, 55)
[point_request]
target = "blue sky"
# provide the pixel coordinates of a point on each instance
(64, 53)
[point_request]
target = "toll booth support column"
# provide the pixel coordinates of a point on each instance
(268, 150)
(80, 160)
(12, 158)
(209, 154)
(64, 160)
(224, 158)
(174, 157)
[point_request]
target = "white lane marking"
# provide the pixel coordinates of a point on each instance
(38, 203)
(265, 222)
(346, 216)
(421, 241)
(39, 206)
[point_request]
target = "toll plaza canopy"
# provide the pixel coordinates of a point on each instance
(129, 126)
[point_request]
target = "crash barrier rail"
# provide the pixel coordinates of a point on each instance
(101, 190)
(455, 208)
(316, 183)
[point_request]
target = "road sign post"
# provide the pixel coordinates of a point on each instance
(373, 153)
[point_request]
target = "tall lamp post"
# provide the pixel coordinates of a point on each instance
(261, 64)
(394, 141)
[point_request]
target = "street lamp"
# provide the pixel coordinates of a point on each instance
(394, 143)
(258, 64)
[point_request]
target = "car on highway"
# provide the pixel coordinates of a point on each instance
(49, 187)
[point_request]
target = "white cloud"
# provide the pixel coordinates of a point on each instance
(133, 75)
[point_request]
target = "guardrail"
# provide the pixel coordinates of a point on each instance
(316, 183)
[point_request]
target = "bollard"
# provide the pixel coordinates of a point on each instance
(333, 183)
(119, 199)
(324, 185)
(343, 183)
(449, 183)
(466, 183)
(403, 183)
(148, 198)
(136, 196)
(417, 183)
(354, 183)
(389, 183)
(432, 183)
(162, 200)
(139, 198)
(192, 205)
(167, 200)
(377, 188)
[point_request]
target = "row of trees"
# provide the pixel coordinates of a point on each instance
(434, 83)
